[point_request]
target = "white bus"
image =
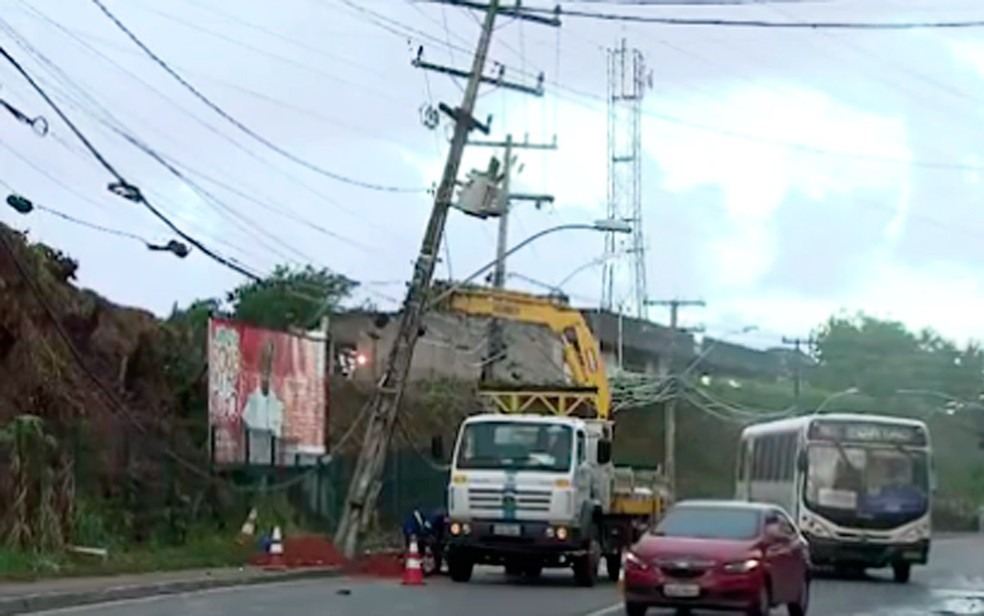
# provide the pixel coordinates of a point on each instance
(859, 486)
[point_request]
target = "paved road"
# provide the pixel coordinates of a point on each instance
(953, 585)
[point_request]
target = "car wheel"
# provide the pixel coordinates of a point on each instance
(635, 609)
(763, 605)
(901, 572)
(801, 605)
(586, 567)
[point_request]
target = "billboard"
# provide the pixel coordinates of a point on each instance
(267, 395)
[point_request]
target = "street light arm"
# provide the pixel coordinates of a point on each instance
(598, 226)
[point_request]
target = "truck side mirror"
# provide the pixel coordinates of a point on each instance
(437, 447)
(801, 462)
(604, 451)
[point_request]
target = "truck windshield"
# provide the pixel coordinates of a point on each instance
(515, 446)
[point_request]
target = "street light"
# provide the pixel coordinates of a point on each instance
(850, 391)
(604, 225)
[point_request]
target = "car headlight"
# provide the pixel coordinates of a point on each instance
(632, 561)
(742, 566)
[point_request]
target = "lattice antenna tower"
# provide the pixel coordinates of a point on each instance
(628, 81)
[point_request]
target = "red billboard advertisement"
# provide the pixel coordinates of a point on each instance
(266, 395)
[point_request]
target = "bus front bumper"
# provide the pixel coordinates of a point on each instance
(825, 551)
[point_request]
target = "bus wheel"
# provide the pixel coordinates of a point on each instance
(901, 572)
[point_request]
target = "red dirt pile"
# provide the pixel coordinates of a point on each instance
(307, 550)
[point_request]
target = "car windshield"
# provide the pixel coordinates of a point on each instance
(869, 479)
(508, 445)
(710, 523)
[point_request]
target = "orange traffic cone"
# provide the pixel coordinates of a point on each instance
(276, 561)
(413, 572)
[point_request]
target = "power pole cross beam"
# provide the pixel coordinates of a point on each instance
(496, 343)
(366, 484)
(669, 409)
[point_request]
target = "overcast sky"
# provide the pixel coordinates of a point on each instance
(788, 174)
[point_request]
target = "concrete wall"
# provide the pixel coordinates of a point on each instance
(452, 346)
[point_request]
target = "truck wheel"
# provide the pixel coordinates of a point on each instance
(532, 571)
(613, 564)
(460, 568)
(901, 572)
(586, 567)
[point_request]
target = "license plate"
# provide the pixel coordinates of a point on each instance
(681, 591)
(507, 530)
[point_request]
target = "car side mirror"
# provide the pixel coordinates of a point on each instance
(773, 532)
(604, 452)
(801, 462)
(437, 448)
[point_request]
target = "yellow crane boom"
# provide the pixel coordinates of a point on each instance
(582, 354)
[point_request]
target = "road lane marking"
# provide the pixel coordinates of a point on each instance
(611, 609)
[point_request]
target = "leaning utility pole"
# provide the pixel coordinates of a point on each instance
(496, 343)
(366, 483)
(796, 343)
(666, 366)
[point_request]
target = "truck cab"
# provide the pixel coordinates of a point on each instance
(528, 492)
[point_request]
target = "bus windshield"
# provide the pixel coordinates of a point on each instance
(516, 446)
(869, 479)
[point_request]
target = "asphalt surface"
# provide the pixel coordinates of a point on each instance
(952, 585)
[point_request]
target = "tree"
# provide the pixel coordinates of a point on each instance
(881, 357)
(291, 297)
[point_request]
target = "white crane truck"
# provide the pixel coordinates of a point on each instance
(532, 481)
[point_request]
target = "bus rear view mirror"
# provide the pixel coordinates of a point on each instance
(801, 462)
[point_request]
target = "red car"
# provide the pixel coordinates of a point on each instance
(719, 555)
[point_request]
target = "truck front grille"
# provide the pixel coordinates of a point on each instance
(492, 499)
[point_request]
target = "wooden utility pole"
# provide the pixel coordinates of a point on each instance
(366, 484)
(667, 365)
(496, 342)
(797, 343)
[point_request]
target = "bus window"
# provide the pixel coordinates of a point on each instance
(758, 460)
(771, 450)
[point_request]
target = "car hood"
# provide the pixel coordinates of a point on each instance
(655, 547)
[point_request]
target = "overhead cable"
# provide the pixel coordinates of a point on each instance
(242, 127)
(121, 187)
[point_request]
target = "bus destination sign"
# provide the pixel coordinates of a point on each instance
(867, 432)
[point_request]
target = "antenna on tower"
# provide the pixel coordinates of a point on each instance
(628, 81)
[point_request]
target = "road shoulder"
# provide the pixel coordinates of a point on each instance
(57, 594)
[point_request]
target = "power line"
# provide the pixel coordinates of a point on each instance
(80, 221)
(761, 23)
(575, 94)
(242, 127)
(121, 187)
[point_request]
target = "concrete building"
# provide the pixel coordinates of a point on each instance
(452, 346)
